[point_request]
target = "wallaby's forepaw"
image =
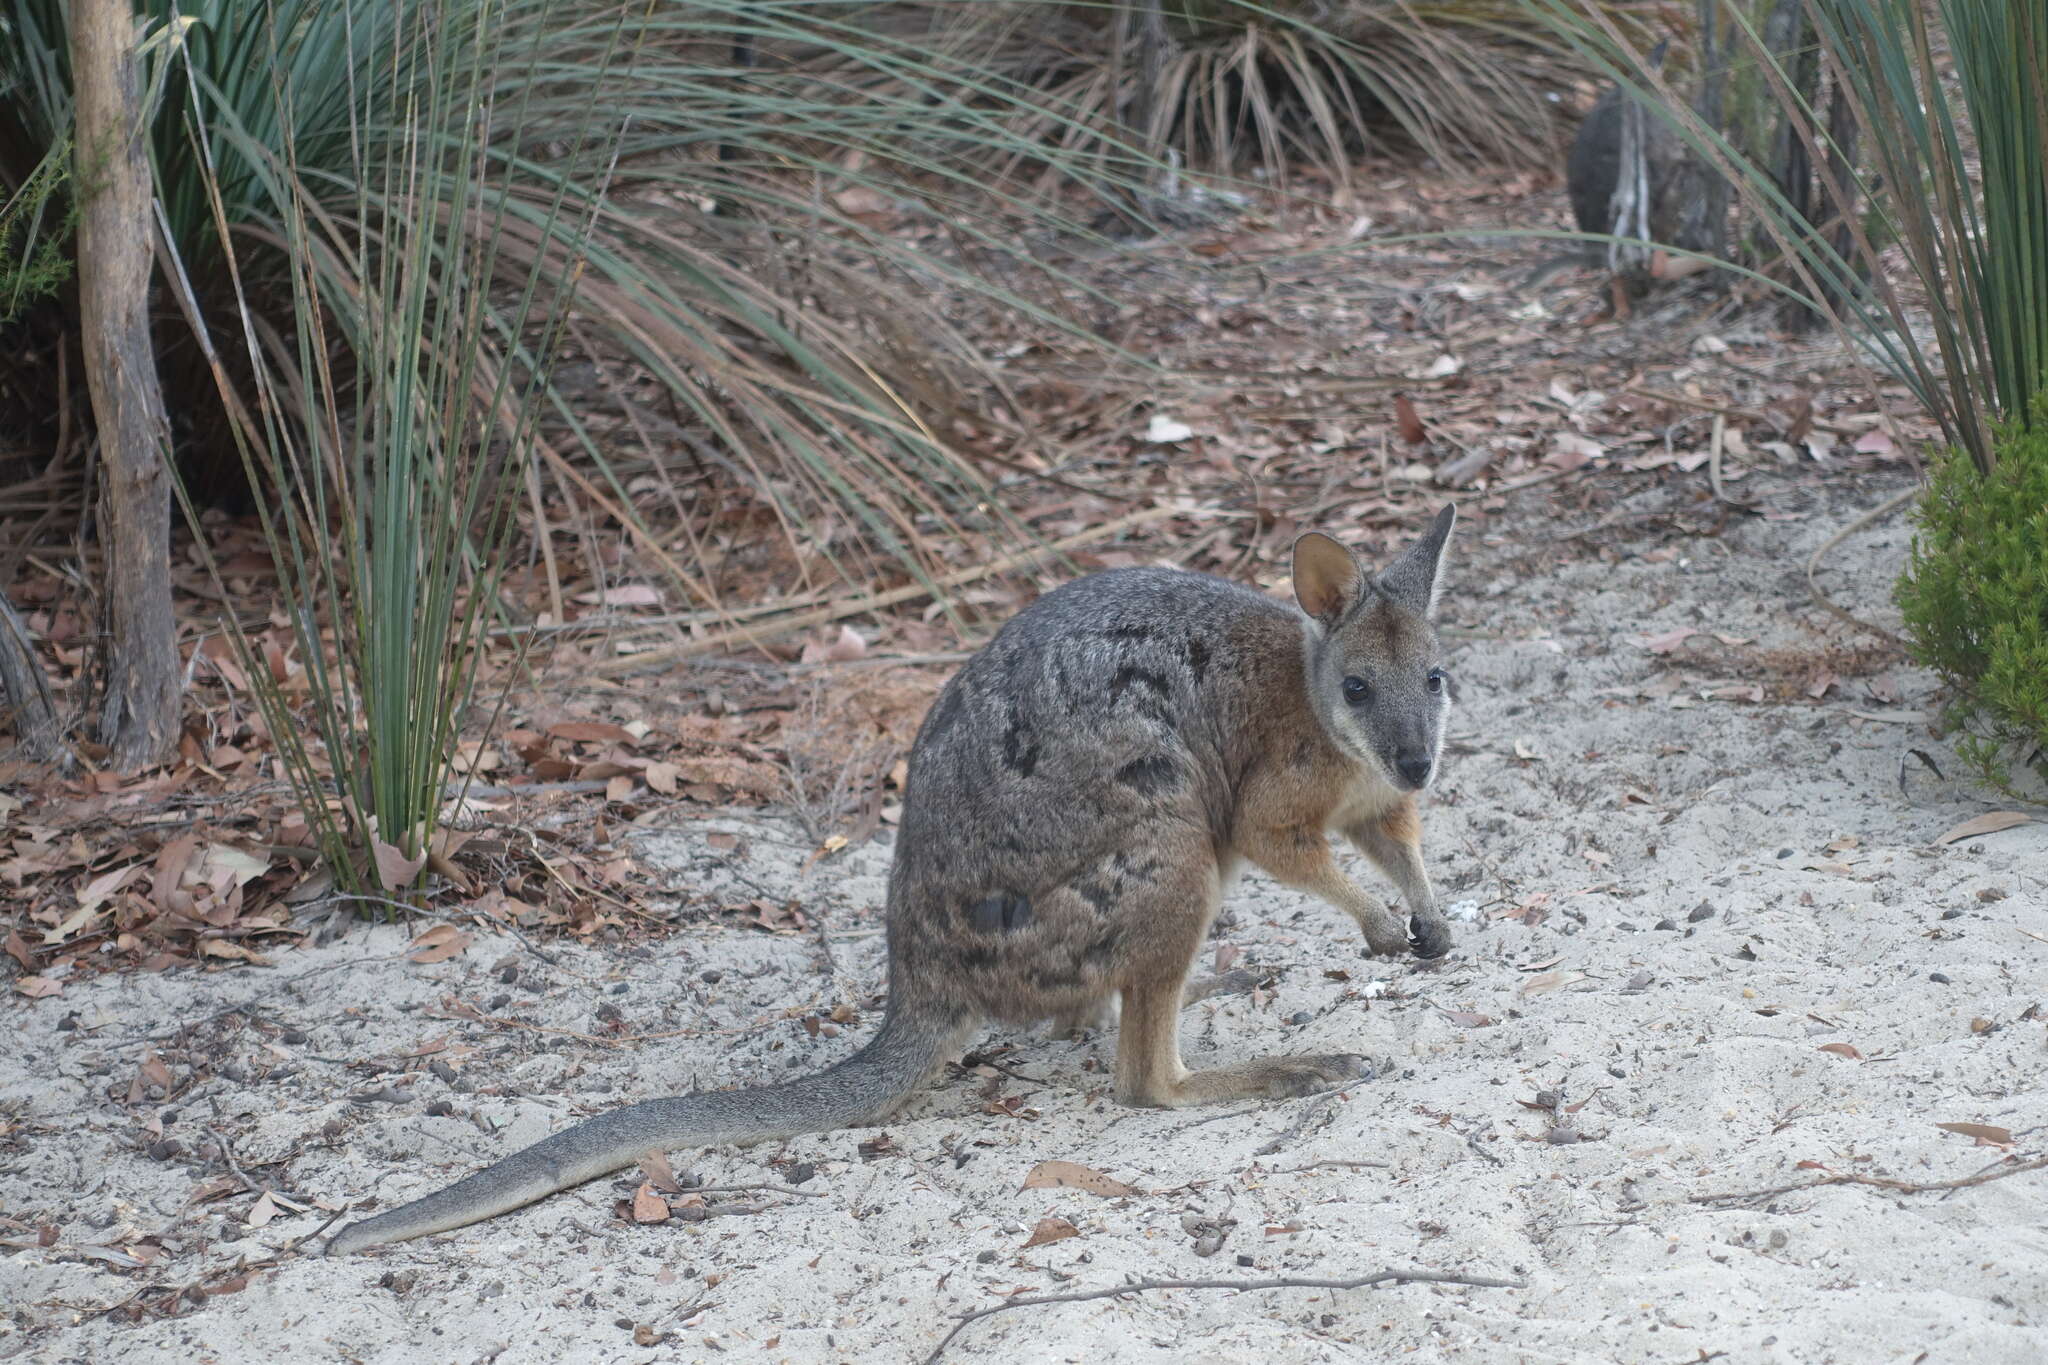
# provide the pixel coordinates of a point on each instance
(1287, 1077)
(1428, 938)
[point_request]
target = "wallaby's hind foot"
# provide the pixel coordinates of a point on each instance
(1274, 1078)
(1150, 1073)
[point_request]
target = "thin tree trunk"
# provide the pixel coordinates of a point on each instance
(38, 736)
(1709, 214)
(139, 715)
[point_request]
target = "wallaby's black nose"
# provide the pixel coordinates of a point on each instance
(1414, 768)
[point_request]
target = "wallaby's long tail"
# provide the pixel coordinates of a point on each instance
(866, 1085)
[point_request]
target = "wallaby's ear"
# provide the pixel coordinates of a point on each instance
(1327, 580)
(1411, 581)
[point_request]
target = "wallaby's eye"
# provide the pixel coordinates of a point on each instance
(1436, 679)
(1355, 691)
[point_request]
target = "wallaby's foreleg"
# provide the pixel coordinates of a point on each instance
(1301, 859)
(1394, 843)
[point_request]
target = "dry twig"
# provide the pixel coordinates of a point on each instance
(1837, 538)
(855, 606)
(1290, 1282)
(1881, 1182)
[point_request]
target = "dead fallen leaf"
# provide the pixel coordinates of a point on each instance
(232, 951)
(591, 732)
(1051, 1230)
(1071, 1175)
(1551, 981)
(262, 1211)
(1407, 422)
(649, 1207)
(625, 595)
(1668, 641)
(654, 1165)
(439, 943)
(1467, 1019)
(224, 866)
(395, 871)
(848, 647)
(107, 883)
(1990, 822)
(36, 987)
(1987, 1135)
(1843, 1050)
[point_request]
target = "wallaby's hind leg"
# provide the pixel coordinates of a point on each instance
(1394, 843)
(1149, 1070)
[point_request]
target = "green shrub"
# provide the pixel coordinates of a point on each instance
(34, 257)
(1975, 594)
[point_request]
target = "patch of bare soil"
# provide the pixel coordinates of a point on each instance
(1725, 1019)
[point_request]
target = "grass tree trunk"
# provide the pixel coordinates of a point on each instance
(139, 716)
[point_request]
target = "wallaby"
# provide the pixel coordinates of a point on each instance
(1078, 799)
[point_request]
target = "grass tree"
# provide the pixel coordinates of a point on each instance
(1921, 233)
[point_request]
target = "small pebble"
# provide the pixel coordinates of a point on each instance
(1667, 924)
(1301, 1017)
(1951, 914)
(1938, 976)
(1784, 853)
(712, 977)
(1702, 911)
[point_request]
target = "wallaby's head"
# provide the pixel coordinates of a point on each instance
(1375, 669)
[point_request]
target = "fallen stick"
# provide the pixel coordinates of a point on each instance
(1140, 1286)
(1813, 564)
(1881, 1182)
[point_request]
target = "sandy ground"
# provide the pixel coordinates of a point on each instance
(1679, 899)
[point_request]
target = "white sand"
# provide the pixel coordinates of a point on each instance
(1695, 1052)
